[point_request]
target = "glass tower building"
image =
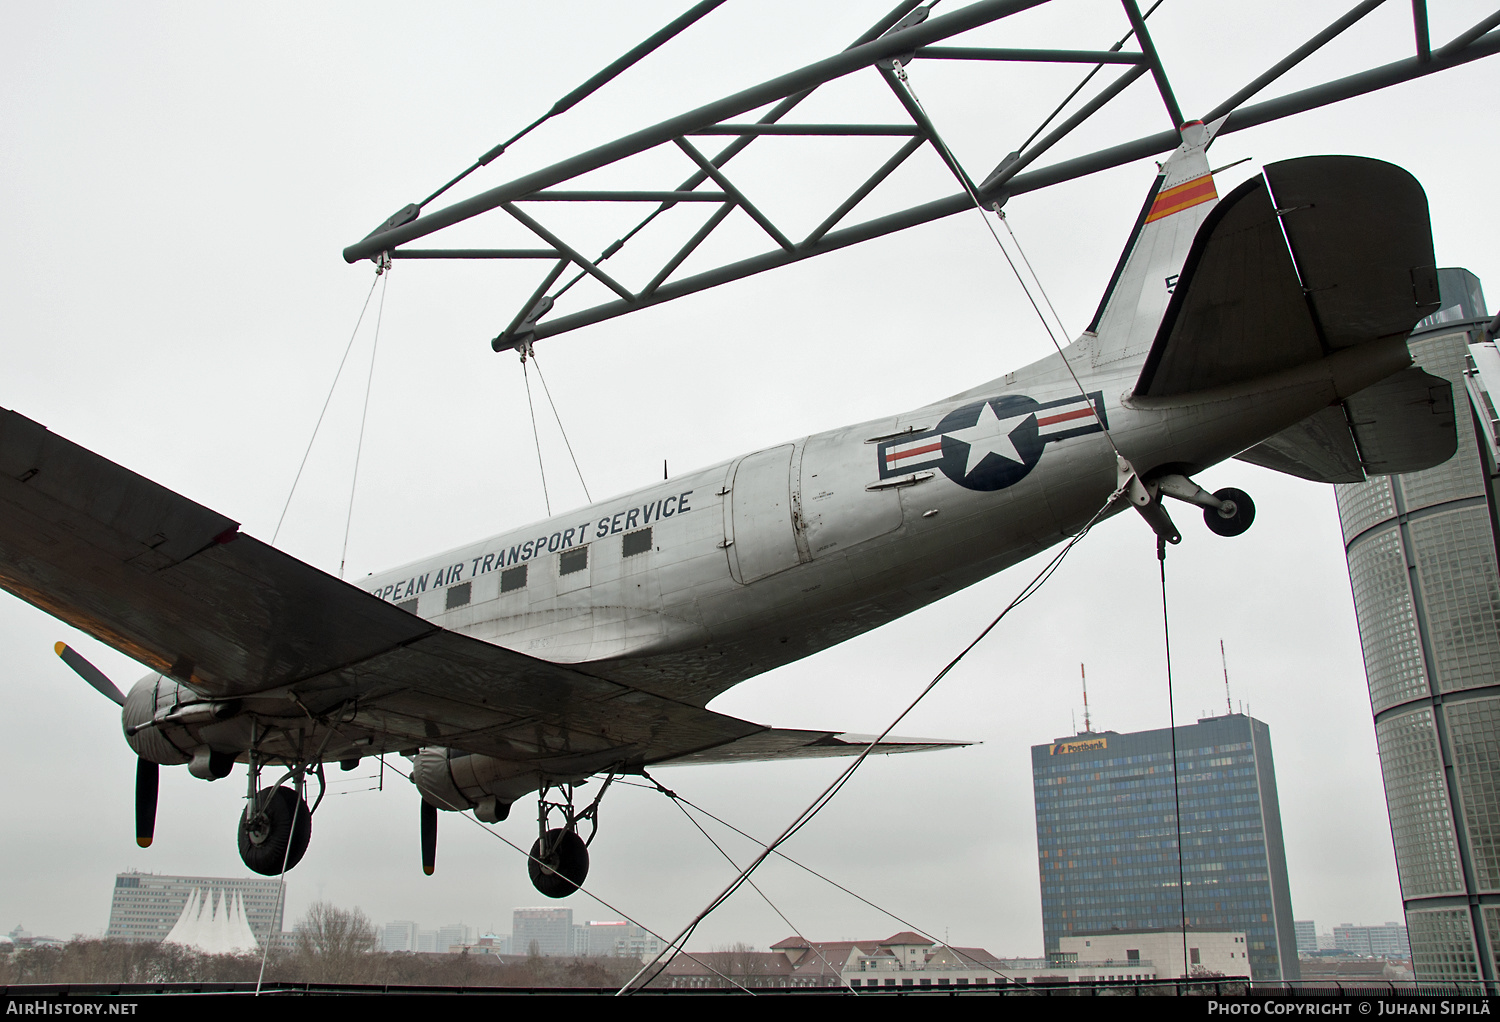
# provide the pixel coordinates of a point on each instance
(1422, 557)
(1106, 829)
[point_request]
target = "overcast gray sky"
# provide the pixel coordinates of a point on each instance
(179, 180)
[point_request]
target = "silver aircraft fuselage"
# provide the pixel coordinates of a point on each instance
(764, 559)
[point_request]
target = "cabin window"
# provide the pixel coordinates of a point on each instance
(637, 542)
(512, 579)
(458, 596)
(410, 606)
(570, 561)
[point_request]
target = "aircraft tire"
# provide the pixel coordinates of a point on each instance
(267, 828)
(563, 870)
(1235, 524)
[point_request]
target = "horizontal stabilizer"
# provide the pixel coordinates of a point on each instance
(1405, 423)
(1316, 255)
(784, 744)
(1320, 448)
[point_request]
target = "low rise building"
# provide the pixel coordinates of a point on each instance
(1176, 953)
(146, 906)
(614, 938)
(909, 961)
(1387, 941)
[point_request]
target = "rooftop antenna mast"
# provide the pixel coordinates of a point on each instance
(1088, 728)
(1228, 704)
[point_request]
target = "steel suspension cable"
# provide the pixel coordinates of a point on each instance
(546, 390)
(838, 783)
(581, 889)
(656, 785)
(753, 885)
(537, 437)
(1161, 558)
(364, 415)
(331, 387)
(1086, 79)
(901, 75)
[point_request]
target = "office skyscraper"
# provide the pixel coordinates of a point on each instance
(1107, 837)
(549, 929)
(1422, 551)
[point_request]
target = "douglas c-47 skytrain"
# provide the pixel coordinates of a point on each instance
(1269, 325)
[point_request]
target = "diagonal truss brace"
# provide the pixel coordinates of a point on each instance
(912, 38)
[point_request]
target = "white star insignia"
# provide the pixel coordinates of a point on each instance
(990, 435)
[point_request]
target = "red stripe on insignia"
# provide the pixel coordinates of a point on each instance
(1082, 413)
(1183, 196)
(893, 456)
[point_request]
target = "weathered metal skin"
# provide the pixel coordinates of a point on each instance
(185, 724)
(762, 560)
(457, 781)
(148, 697)
(676, 621)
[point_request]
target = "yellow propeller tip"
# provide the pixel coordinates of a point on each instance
(427, 870)
(60, 648)
(144, 842)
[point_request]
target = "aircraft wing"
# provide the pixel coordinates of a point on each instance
(179, 588)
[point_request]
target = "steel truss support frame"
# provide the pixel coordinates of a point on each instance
(903, 35)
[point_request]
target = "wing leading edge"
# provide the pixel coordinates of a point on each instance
(179, 588)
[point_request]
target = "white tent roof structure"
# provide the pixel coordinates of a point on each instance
(215, 926)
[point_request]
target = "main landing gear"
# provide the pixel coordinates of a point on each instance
(1226, 512)
(559, 860)
(276, 826)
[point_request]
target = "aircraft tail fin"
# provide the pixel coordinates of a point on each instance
(1182, 196)
(1313, 256)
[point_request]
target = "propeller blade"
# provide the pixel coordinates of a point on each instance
(89, 673)
(147, 775)
(429, 837)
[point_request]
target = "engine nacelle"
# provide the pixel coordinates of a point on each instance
(162, 719)
(454, 780)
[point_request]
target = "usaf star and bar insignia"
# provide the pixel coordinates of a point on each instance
(989, 445)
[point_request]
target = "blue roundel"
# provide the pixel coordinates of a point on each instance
(992, 444)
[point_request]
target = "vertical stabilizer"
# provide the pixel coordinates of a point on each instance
(1133, 304)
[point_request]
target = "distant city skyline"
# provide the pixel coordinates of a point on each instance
(179, 304)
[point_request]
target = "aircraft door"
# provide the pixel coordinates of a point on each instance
(759, 526)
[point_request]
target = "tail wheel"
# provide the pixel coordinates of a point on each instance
(274, 831)
(559, 863)
(1236, 520)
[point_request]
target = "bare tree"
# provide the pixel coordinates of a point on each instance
(334, 944)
